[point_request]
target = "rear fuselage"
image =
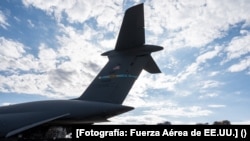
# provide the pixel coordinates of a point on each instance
(56, 112)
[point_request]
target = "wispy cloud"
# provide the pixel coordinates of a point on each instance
(208, 55)
(208, 95)
(3, 21)
(216, 106)
(242, 65)
(210, 84)
(30, 23)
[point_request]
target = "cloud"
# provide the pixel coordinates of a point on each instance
(238, 47)
(216, 106)
(111, 9)
(245, 122)
(196, 66)
(12, 55)
(214, 73)
(179, 84)
(47, 58)
(242, 65)
(76, 10)
(3, 21)
(54, 72)
(127, 119)
(10, 48)
(210, 84)
(208, 95)
(192, 23)
(159, 109)
(25, 83)
(30, 23)
(75, 57)
(208, 55)
(159, 112)
(59, 77)
(178, 111)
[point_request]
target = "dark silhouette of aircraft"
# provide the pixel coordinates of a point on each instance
(104, 96)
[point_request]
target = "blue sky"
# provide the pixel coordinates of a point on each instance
(51, 50)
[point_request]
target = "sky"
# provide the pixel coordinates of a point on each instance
(51, 50)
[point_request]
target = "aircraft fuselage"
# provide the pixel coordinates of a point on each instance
(69, 112)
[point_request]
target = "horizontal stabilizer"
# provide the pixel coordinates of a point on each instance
(151, 66)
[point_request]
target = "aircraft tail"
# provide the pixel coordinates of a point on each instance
(126, 61)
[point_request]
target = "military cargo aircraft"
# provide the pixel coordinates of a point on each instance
(103, 98)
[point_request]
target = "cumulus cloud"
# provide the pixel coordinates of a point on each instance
(238, 47)
(76, 10)
(12, 55)
(59, 77)
(52, 68)
(26, 83)
(192, 23)
(47, 58)
(10, 48)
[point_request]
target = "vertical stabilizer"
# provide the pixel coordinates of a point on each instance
(126, 61)
(132, 29)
